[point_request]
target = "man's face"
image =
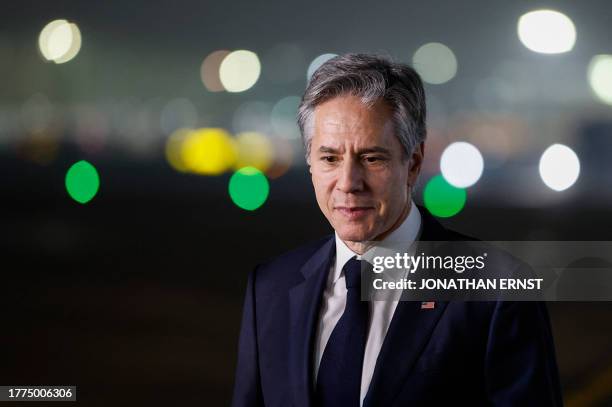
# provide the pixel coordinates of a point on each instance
(361, 177)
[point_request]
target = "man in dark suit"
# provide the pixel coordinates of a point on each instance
(307, 338)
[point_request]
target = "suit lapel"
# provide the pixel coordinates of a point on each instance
(409, 332)
(304, 303)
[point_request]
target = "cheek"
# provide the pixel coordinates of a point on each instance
(382, 184)
(323, 188)
(390, 191)
(323, 182)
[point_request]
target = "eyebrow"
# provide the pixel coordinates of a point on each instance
(375, 149)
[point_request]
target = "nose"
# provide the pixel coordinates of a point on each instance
(351, 176)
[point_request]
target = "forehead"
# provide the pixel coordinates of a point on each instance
(345, 118)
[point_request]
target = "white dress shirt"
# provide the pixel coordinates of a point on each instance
(381, 312)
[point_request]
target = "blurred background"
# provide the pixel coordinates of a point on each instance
(150, 159)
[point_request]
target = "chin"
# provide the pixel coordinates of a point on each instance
(352, 234)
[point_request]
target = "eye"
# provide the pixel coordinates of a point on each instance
(329, 159)
(373, 159)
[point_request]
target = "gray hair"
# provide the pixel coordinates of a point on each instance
(372, 78)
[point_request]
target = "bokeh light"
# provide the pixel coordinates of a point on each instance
(547, 31)
(209, 71)
(239, 71)
(435, 62)
(59, 41)
(208, 151)
(39, 148)
(75, 45)
(43, 38)
(42, 128)
(82, 181)
(249, 188)
(174, 149)
(600, 77)
(317, 62)
(253, 115)
(559, 167)
(496, 142)
(442, 199)
(461, 164)
(176, 114)
(254, 150)
(283, 158)
(283, 117)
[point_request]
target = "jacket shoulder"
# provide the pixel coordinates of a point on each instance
(286, 267)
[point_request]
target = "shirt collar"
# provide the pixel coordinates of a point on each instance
(406, 233)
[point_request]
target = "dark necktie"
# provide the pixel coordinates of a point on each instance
(339, 376)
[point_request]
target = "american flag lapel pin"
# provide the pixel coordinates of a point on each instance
(428, 305)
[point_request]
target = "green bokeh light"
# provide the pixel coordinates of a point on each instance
(82, 181)
(249, 188)
(442, 199)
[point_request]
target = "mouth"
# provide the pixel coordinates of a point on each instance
(354, 212)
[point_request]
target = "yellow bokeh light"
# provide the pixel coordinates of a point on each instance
(239, 71)
(59, 41)
(254, 150)
(600, 77)
(174, 149)
(208, 151)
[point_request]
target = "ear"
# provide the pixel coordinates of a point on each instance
(416, 161)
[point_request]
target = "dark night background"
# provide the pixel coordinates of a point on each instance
(136, 296)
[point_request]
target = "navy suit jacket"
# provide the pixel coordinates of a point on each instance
(459, 353)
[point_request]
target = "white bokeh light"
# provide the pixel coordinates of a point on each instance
(316, 63)
(600, 77)
(435, 62)
(75, 45)
(559, 167)
(547, 31)
(461, 164)
(59, 41)
(239, 70)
